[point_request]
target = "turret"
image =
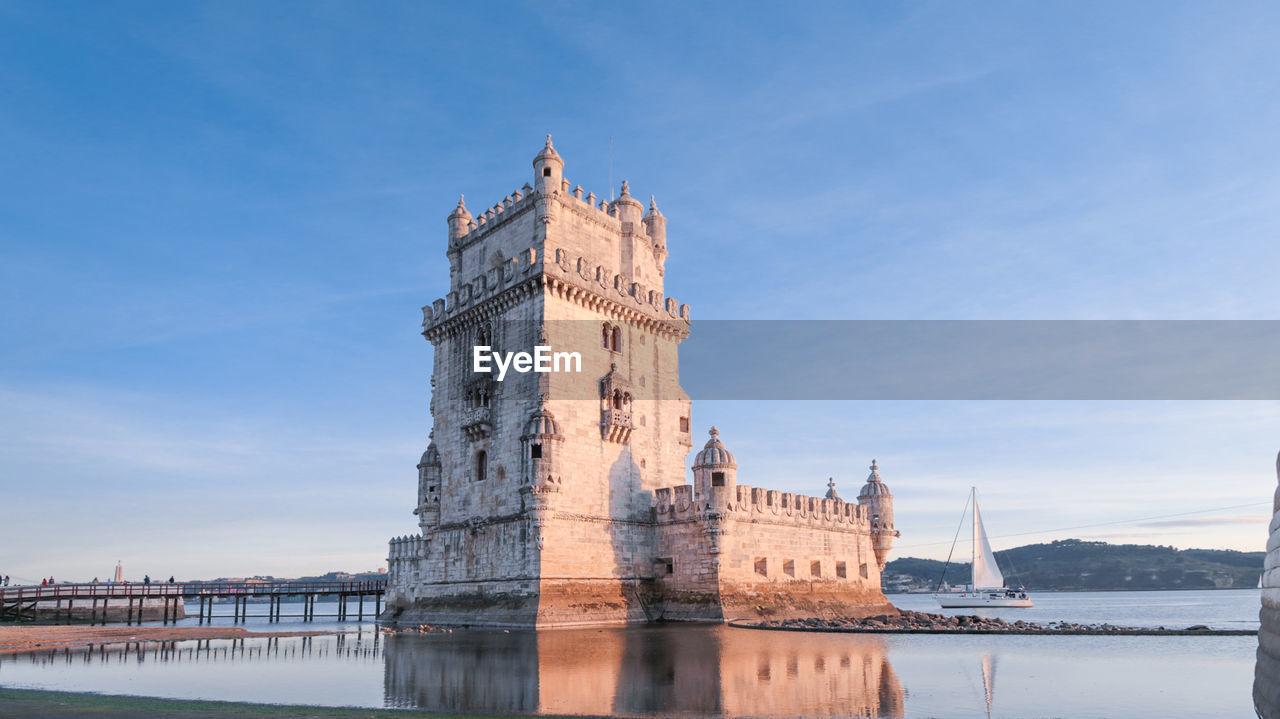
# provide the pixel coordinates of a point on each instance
(429, 474)
(715, 473)
(548, 169)
(627, 208)
(460, 222)
(655, 226)
(878, 501)
(541, 443)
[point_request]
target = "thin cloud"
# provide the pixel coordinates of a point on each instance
(1207, 521)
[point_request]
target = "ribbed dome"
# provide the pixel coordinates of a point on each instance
(542, 424)
(653, 210)
(431, 457)
(548, 153)
(874, 487)
(714, 454)
(460, 211)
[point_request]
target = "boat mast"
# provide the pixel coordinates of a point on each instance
(973, 545)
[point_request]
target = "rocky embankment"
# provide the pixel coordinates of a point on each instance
(907, 622)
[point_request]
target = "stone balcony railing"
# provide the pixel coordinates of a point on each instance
(615, 425)
(477, 422)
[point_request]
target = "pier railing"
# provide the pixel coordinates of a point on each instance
(124, 590)
(15, 602)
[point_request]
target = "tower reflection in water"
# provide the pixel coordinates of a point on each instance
(664, 669)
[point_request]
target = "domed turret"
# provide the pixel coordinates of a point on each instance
(547, 169)
(627, 208)
(875, 487)
(541, 441)
(460, 222)
(429, 474)
(655, 226)
(875, 496)
(715, 472)
(542, 424)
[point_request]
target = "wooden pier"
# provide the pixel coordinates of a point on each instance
(20, 603)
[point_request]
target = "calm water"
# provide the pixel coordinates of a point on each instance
(696, 670)
(1222, 609)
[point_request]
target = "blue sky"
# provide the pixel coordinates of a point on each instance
(218, 222)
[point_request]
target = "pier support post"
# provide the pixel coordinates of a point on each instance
(360, 615)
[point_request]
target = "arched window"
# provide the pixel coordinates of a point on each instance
(626, 400)
(483, 337)
(617, 339)
(482, 462)
(604, 335)
(617, 399)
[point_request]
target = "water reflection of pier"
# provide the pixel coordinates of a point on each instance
(354, 647)
(680, 669)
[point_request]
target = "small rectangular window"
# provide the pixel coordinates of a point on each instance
(815, 568)
(665, 565)
(684, 424)
(762, 566)
(535, 451)
(717, 479)
(789, 568)
(862, 570)
(840, 570)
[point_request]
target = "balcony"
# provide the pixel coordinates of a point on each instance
(615, 425)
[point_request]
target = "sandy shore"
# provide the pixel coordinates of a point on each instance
(29, 637)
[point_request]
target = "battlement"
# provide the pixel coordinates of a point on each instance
(509, 273)
(407, 547)
(485, 222)
(677, 503)
(584, 271)
(575, 270)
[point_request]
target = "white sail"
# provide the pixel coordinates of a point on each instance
(986, 573)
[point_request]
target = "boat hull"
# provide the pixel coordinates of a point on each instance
(978, 601)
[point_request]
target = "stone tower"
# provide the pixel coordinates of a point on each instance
(535, 494)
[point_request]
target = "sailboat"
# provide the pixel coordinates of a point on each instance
(987, 586)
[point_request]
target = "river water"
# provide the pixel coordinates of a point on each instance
(697, 670)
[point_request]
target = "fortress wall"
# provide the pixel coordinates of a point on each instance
(767, 550)
(594, 571)
(686, 571)
(485, 572)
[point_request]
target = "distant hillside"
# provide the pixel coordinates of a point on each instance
(1074, 564)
